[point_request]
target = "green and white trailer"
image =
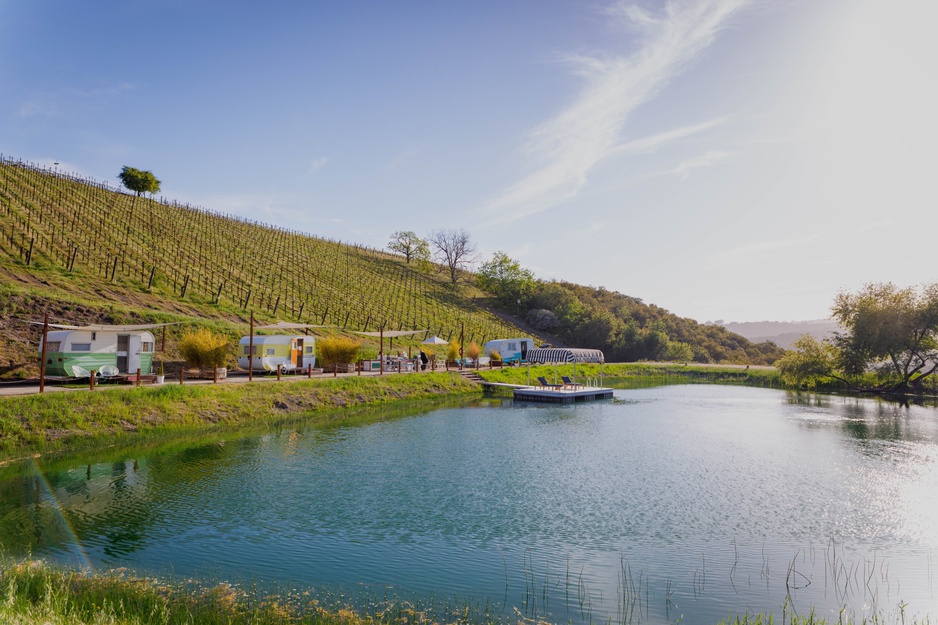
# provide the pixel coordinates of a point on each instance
(270, 350)
(77, 349)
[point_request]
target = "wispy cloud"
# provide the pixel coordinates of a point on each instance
(56, 103)
(708, 159)
(760, 248)
(565, 149)
(317, 164)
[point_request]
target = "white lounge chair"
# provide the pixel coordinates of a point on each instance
(80, 372)
(106, 372)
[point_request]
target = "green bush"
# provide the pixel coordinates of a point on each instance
(204, 349)
(338, 350)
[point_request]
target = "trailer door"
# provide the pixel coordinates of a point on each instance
(133, 353)
(123, 347)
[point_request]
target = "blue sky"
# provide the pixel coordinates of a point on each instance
(724, 159)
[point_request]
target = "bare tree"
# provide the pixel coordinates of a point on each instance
(454, 249)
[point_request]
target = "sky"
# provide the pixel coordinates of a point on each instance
(737, 160)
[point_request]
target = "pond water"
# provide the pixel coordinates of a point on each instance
(670, 503)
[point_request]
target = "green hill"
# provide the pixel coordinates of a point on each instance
(87, 252)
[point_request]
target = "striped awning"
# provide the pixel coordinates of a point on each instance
(564, 354)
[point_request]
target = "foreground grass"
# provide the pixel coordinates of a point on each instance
(55, 421)
(32, 593)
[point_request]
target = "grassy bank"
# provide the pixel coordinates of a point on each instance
(55, 421)
(623, 373)
(32, 593)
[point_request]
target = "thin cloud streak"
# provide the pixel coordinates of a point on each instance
(709, 159)
(566, 148)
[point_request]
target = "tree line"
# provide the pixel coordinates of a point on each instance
(624, 327)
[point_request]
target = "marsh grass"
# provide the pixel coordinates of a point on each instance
(33, 593)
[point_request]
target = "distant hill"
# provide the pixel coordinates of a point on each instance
(782, 333)
(627, 329)
(89, 253)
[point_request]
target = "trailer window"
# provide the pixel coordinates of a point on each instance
(54, 346)
(81, 347)
(147, 347)
(270, 351)
(309, 349)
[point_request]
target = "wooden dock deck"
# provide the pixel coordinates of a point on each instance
(561, 395)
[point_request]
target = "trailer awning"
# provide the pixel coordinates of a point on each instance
(107, 328)
(284, 325)
(564, 354)
(392, 333)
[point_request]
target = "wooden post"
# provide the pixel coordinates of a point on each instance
(309, 371)
(42, 357)
(91, 379)
(163, 344)
(138, 376)
(462, 332)
(335, 369)
(278, 371)
(251, 351)
(214, 374)
(381, 352)
(182, 375)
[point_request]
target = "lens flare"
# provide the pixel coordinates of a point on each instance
(56, 505)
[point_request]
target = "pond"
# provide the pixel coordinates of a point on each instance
(686, 502)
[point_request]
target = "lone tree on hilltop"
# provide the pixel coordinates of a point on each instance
(454, 248)
(139, 181)
(410, 245)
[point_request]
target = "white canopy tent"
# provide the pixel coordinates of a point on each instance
(565, 355)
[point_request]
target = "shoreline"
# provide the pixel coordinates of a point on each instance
(61, 421)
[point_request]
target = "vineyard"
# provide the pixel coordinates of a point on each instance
(78, 229)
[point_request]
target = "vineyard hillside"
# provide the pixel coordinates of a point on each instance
(87, 252)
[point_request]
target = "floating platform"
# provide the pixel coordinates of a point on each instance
(561, 395)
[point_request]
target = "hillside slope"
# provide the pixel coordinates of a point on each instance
(86, 252)
(70, 245)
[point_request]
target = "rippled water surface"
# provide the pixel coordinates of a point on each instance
(677, 502)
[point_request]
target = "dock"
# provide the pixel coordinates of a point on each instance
(561, 395)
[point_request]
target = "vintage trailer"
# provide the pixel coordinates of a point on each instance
(77, 351)
(511, 350)
(289, 351)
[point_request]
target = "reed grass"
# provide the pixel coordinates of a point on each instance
(34, 593)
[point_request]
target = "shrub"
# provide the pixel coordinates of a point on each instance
(204, 349)
(495, 355)
(473, 351)
(337, 350)
(452, 352)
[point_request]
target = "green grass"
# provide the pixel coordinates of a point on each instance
(55, 421)
(626, 374)
(32, 593)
